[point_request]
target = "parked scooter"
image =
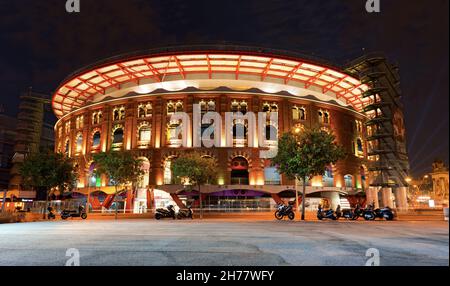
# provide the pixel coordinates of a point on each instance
(51, 214)
(185, 213)
(81, 212)
(165, 212)
(384, 213)
(330, 214)
(358, 212)
(346, 213)
(284, 210)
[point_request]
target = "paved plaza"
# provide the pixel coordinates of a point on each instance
(224, 242)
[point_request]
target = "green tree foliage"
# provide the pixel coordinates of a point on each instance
(122, 168)
(46, 171)
(305, 155)
(196, 169)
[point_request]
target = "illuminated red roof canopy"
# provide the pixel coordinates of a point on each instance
(105, 78)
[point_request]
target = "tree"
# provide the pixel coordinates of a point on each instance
(45, 171)
(122, 168)
(305, 155)
(197, 170)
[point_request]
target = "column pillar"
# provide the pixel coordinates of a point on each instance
(386, 197)
(401, 200)
(372, 196)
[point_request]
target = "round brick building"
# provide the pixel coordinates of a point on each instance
(127, 103)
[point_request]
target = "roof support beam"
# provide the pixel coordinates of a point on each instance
(266, 70)
(180, 67)
(238, 67)
(291, 74)
(155, 72)
(312, 80)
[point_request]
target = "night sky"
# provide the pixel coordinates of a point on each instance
(41, 44)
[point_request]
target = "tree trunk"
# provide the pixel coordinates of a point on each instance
(47, 193)
(201, 202)
(115, 202)
(303, 198)
(297, 205)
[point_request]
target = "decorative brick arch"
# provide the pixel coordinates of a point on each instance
(117, 126)
(242, 154)
(169, 155)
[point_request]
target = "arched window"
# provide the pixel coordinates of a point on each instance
(274, 107)
(67, 126)
(79, 143)
(240, 134)
(145, 110)
(326, 117)
(141, 111)
(271, 132)
(96, 117)
(179, 106)
(145, 133)
(243, 107)
(79, 123)
(211, 106)
(203, 107)
(348, 179)
(170, 108)
(96, 140)
(168, 179)
(116, 114)
(239, 131)
(359, 148)
(302, 113)
(174, 134)
(327, 177)
(234, 106)
(67, 147)
(320, 114)
(295, 114)
(239, 106)
(143, 182)
(359, 145)
(118, 136)
(122, 113)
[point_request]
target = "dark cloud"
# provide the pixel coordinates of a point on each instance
(40, 44)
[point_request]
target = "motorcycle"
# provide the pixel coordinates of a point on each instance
(81, 212)
(185, 213)
(51, 214)
(284, 210)
(384, 213)
(346, 213)
(349, 213)
(165, 212)
(358, 212)
(330, 214)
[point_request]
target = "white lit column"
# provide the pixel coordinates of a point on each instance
(386, 197)
(401, 199)
(372, 196)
